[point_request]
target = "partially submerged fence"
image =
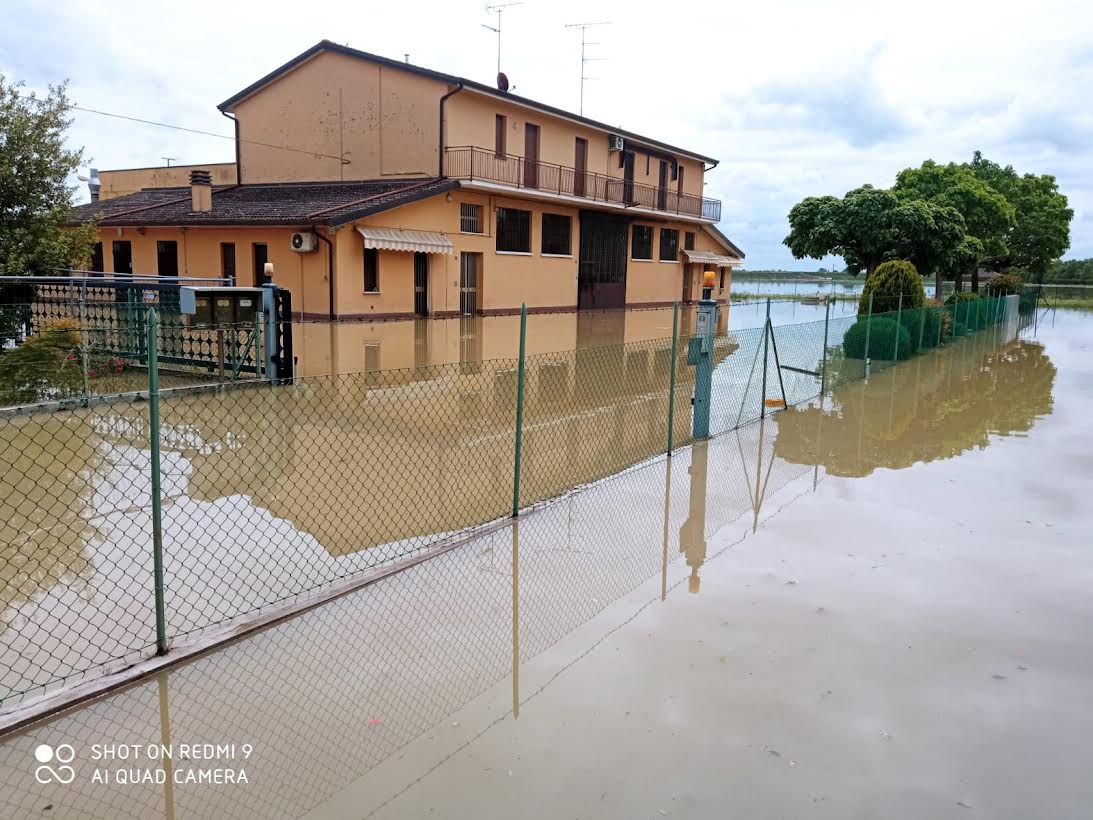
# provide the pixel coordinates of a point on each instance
(129, 523)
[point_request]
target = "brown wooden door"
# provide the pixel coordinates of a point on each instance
(531, 155)
(628, 178)
(580, 166)
(662, 186)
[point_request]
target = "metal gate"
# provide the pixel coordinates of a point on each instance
(468, 283)
(421, 284)
(601, 281)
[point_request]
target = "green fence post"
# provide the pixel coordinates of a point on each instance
(672, 377)
(921, 328)
(519, 411)
(940, 324)
(823, 365)
(85, 340)
(868, 328)
(766, 338)
(895, 342)
(157, 508)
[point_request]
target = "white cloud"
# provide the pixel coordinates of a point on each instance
(795, 97)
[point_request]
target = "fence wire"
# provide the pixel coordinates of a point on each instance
(270, 493)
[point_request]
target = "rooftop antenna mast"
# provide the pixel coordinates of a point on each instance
(169, 160)
(585, 59)
(498, 7)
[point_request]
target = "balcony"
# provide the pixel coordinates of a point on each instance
(482, 165)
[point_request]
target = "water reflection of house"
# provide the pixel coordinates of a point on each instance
(419, 193)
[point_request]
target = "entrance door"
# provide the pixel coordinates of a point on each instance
(531, 155)
(601, 281)
(421, 284)
(468, 283)
(580, 166)
(261, 256)
(123, 263)
(662, 186)
(688, 282)
(628, 178)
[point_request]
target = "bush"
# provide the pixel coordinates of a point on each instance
(45, 366)
(923, 323)
(890, 281)
(884, 335)
(1004, 284)
(962, 296)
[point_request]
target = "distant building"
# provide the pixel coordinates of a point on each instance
(379, 189)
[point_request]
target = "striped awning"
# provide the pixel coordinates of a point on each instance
(709, 258)
(393, 239)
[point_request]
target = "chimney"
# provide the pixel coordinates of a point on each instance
(201, 191)
(93, 184)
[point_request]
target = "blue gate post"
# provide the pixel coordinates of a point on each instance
(270, 336)
(700, 354)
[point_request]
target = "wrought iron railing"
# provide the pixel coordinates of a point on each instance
(471, 163)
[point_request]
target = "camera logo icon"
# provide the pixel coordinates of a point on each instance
(47, 755)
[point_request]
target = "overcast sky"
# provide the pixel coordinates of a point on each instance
(795, 97)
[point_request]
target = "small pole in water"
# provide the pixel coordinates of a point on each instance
(895, 342)
(672, 375)
(823, 366)
(868, 328)
(157, 505)
(766, 337)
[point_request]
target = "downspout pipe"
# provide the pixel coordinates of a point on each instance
(238, 163)
(440, 139)
(329, 271)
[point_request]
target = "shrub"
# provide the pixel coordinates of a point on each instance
(890, 281)
(45, 366)
(962, 296)
(884, 335)
(1004, 284)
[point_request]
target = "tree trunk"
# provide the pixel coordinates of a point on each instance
(959, 281)
(937, 284)
(975, 279)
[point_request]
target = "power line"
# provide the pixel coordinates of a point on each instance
(342, 160)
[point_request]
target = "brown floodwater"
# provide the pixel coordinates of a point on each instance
(877, 607)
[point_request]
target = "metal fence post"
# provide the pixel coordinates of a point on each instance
(519, 411)
(823, 365)
(157, 508)
(921, 328)
(868, 330)
(895, 342)
(672, 376)
(85, 340)
(766, 338)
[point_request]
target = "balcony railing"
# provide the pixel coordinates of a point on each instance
(468, 162)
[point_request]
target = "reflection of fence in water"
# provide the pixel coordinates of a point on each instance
(384, 665)
(270, 494)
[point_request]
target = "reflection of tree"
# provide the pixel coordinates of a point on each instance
(46, 489)
(932, 408)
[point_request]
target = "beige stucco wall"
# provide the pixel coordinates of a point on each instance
(384, 121)
(127, 180)
(304, 274)
(469, 120)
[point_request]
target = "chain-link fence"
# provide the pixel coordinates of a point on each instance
(266, 493)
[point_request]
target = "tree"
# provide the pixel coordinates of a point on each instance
(988, 216)
(1040, 233)
(35, 194)
(857, 227)
(895, 284)
(870, 225)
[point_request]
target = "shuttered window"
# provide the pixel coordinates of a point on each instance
(556, 234)
(470, 218)
(500, 129)
(167, 257)
(669, 244)
(641, 246)
(513, 230)
(689, 241)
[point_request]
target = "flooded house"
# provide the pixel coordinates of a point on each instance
(380, 190)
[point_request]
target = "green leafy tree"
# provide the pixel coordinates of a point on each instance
(1040, 233)
(894, 284)
(988, 216)
(35, 194)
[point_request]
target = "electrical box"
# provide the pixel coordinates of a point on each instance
(220, 306)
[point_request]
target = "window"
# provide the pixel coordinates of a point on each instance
(641, 246)
(96, 258)
(689, 241)
(513, 230)
(371, 270)
(556, 231)
(679, 182)
(167, 257)
(227, 261)
(721, 284)
(470, 218)
(122, 249)
(580, 166)
(500, 131)
(669, 244)
(261, 256)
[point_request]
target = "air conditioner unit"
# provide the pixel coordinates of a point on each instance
(304, 242)
(615, 143)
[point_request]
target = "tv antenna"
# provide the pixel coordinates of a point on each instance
(585, 59)
(169, 160)
(498, 7)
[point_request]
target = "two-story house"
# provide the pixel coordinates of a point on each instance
(379, 189)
